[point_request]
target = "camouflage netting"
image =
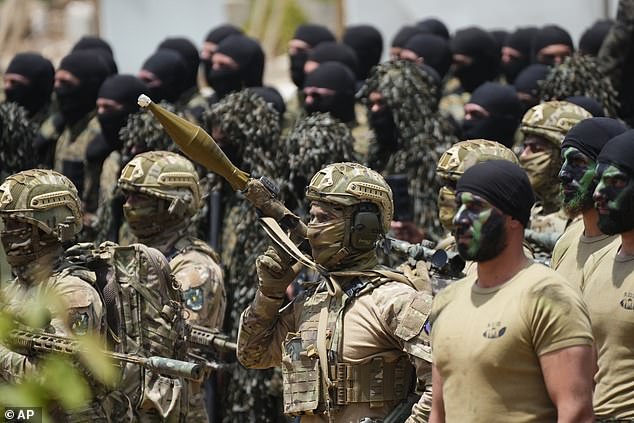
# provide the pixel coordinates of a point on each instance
(423, 134)
(580, 76)
(252, 126)
(16, 140)
(312, 143)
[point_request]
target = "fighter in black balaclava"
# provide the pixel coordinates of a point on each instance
(28, 81)
(551, 45)
(429, 49)
(401, 37)
(588, 103)
(272, 97)
(188, 53)
(527, 84)
(367, 43)
(476, 57)
(77, 83)
(331, 51)
(213, 38)
(516, 52)
(165, 74)
(493, 113)
(306, 37)
(330, 89)
(434, 26)
(99, 46)
(237, 63)
(592, 39)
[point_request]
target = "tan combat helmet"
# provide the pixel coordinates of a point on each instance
(552, 120)
(349, 184)
(453, 163)
(45, 199)
(166, 176)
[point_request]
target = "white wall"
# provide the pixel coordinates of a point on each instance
(136, 27)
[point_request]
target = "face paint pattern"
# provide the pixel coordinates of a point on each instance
(479, 228)
(576, 180)
(614, 200)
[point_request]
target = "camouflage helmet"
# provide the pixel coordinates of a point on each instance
(464, 154)
(552, 120)
(45, 199)
(348, 184)
(166, 176)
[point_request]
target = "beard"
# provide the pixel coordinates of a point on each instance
(484, 246)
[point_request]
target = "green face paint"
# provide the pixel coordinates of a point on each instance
(614, 199)
(576, 180)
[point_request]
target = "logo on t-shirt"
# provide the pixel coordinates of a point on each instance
(494, 330)
(628, 301)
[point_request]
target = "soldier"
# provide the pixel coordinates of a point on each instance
(511, 320)
(544, 127)
(608, 282)
(330, 89)
(101, 48)
(162, 194)
(516, 52)
(367, 42)
(579, 151)
(551, 44)
(343, 345)
(429, 49)
(41, 213)
(592, 38)
(165, 74)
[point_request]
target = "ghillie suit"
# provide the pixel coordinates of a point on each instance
(248, 129)
(140, 134)
(580, 76)
(422, 134)
(313, 142)
(16, 140)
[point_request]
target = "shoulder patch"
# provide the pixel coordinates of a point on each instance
(415, 317)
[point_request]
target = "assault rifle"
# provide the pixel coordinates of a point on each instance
(201, 147)
(35, 343)
(443, 262)
(208, 340)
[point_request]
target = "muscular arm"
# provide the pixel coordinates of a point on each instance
(568, 377)
(263, 327)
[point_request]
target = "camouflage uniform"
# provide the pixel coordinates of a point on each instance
(193, 104)
(172, 182)
(423, 134)
(252, 127)
(70, 158)
(551, 121)
(41, 210)
(346, 343)
(46, 139)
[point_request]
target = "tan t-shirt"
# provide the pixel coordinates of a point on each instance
(573, 250)
(486, 344)
(608, 290)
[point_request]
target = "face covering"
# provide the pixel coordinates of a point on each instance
(577, 181)
(111, 123)
(542, 169)
(23, 243)
(480, 232)
(447, 207)
(614, 200)
(326, 241)
(513, 68)
(224, 81)
(142, 217)
(383, 125)
(23, 95)
(73, 102)
(298, 60)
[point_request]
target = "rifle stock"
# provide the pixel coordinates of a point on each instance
(36, 343)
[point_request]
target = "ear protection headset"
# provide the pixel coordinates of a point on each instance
(365, 227)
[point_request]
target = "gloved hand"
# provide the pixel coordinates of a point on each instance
(275, 273)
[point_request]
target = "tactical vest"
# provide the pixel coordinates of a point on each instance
(312, 387)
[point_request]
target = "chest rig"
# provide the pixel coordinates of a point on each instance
(316, 380)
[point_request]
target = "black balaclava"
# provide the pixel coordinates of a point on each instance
(434, 26)
(527, 82)
(189, 54)
(482, 48)
(272, 97)
(503, 184)
(337, 77)
(99, 46)
(248, 54)
(367, 43)
(434, 50)
(505, 113)
(312, 35)
(75, 102)
(588, 103)
(549, 35)
(522, 41)
(404, 34)
(215, 36)
(169, 67)
(500, 36)
(592, 39)
(41, 74)
(124, 89)
(331, 51)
